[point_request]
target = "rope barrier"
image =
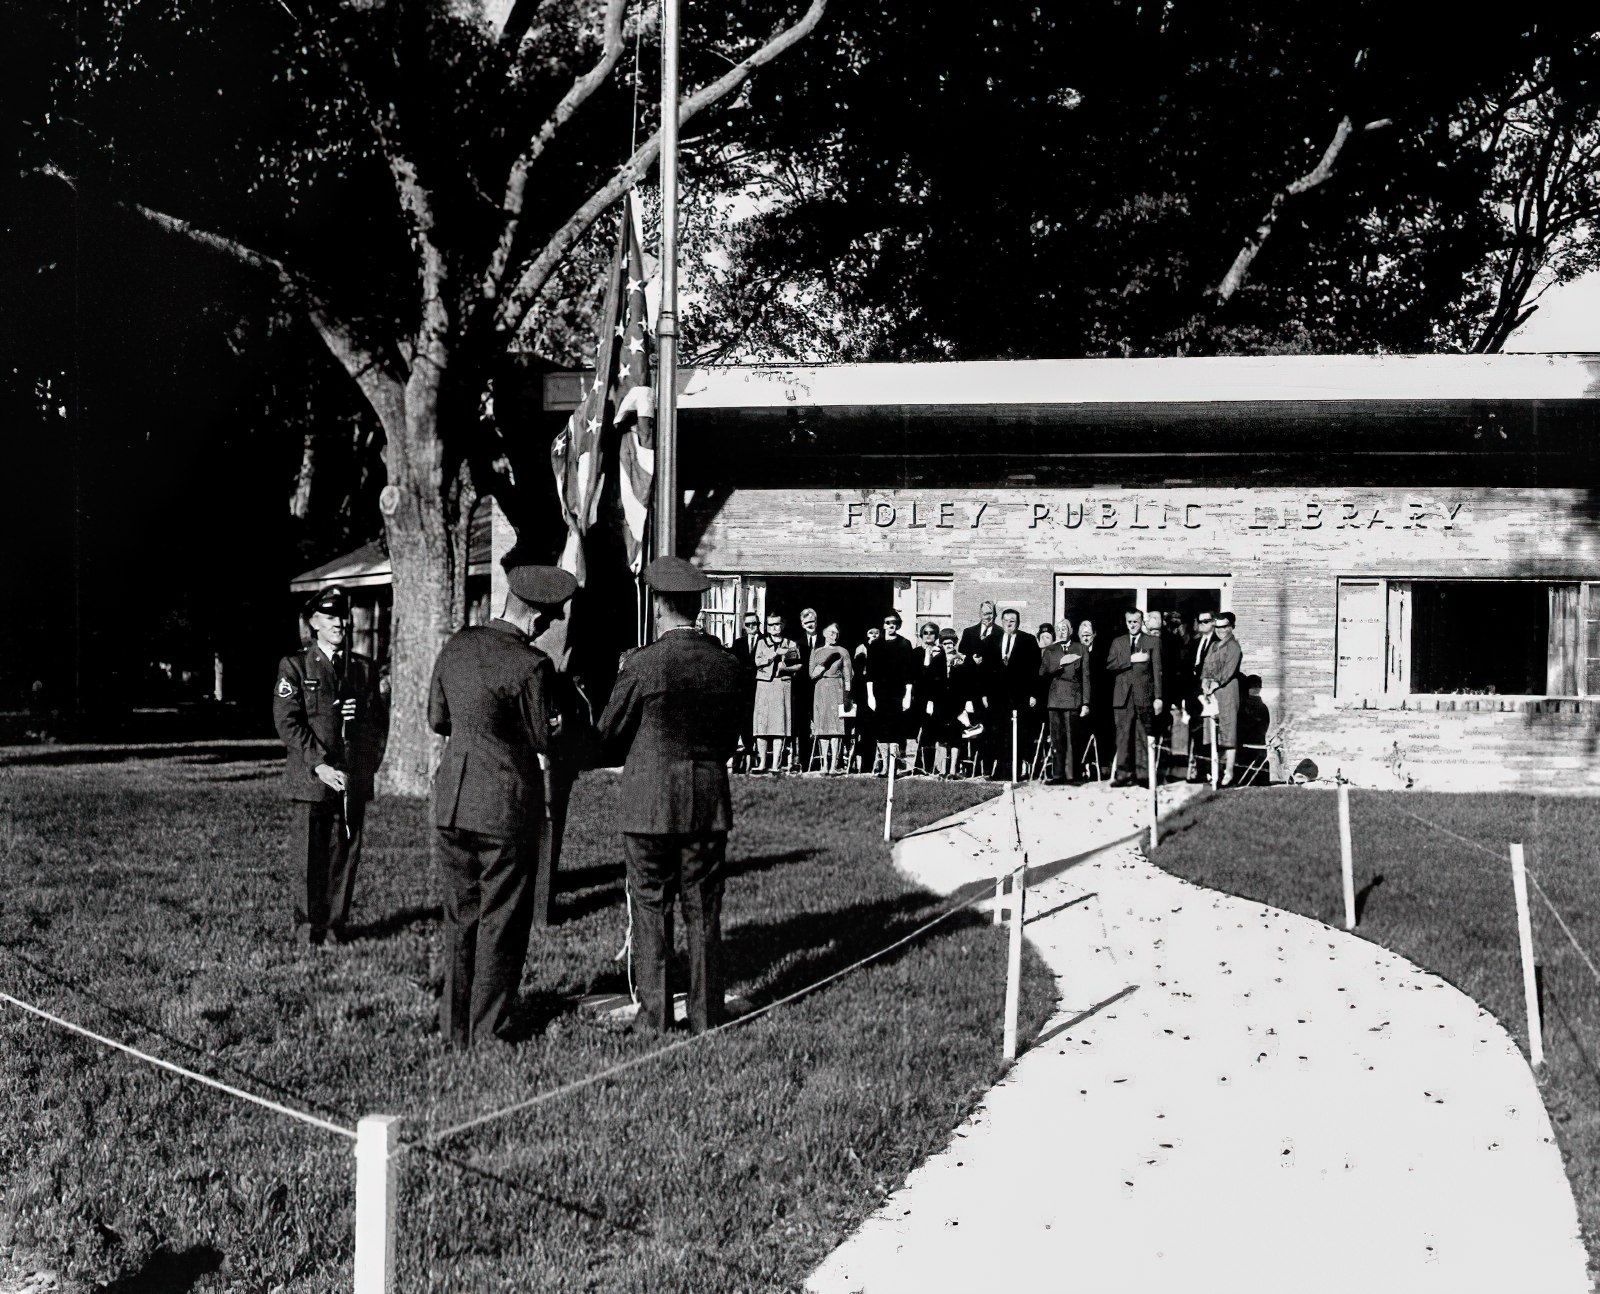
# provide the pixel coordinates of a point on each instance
(167, 1065)
(1565, 929)
(589, 1080)
(1443, 830)
(1533, 878)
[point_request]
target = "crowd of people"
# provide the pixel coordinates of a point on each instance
(946, 703)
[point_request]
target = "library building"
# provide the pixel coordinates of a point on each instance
(1411, 545)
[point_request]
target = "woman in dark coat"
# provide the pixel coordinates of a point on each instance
(949, 687)
(891, 672)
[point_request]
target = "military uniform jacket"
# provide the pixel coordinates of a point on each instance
(491, 699)
(676, 711)
(1135, 682)
(1066, 666)
(306, 712)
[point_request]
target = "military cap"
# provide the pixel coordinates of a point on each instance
(331, 601)
(542, 585)
(675, 575)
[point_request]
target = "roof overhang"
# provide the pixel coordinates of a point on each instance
(1068, 383)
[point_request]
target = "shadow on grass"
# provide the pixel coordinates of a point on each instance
(1365, 893)
(196, 753)
(167, 1272)
(787, 955)
(214, 1065)
(1551, 1008)
(601, 887)
(752, 1277)
(398, 921)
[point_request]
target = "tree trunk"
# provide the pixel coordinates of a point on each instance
(429, 582)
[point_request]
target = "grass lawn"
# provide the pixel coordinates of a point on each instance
(1442, 904)
(150, 901)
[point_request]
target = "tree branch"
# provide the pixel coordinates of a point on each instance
(1234, 279)
(379, 381)
(577, 94)
(516, 304)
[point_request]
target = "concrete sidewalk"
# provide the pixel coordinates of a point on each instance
(1230, 1098)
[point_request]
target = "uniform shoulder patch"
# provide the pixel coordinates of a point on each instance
(285, 688)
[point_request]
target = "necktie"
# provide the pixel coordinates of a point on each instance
(1005, 653)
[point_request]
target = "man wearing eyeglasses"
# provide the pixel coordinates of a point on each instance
(1134, 664)
(1195, 654)
(744, 649)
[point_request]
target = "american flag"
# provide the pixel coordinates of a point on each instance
(619, 396)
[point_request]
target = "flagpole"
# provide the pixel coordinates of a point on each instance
(667, 494)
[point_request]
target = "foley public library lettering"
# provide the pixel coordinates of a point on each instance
(1407, 610)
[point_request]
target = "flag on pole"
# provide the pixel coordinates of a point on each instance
(636, 408)
(620, 396)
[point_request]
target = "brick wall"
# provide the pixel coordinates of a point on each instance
(1282, 553)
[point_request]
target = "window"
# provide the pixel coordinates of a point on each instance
(1103, 598)
(728, 596)
(1467, 637)
(920, 599)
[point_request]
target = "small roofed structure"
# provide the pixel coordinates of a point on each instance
(365, 574)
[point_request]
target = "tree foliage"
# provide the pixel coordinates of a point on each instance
(1019, 179)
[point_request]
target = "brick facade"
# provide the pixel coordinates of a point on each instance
(1281, 551)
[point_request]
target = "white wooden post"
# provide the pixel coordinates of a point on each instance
(1150, 761)
(1347, 863)
(375, 1191)
(1013, 747)
(1530, 983)
(1019, 895)
(888, 804)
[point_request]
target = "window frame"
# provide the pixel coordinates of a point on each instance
(1391, 697)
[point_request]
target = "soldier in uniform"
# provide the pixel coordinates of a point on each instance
(491, 699)
(324, 707)
(676, 712)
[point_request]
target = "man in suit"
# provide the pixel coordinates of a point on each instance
(1016, 679)
(1065, 665)
(807, 640)
(675, 715)
(978, 644)
(491, 698)
(325, 709)
(1134, 665)
(1195, 653)
(744, 651)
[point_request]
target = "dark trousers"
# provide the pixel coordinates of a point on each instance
(487, 882)
(331, 858)
(1063, 755)
(552, 831)
(1132, 757)
(689, 869)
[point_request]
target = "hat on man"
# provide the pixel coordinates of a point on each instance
(675, 575)
(330, 601)
(535, 582)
